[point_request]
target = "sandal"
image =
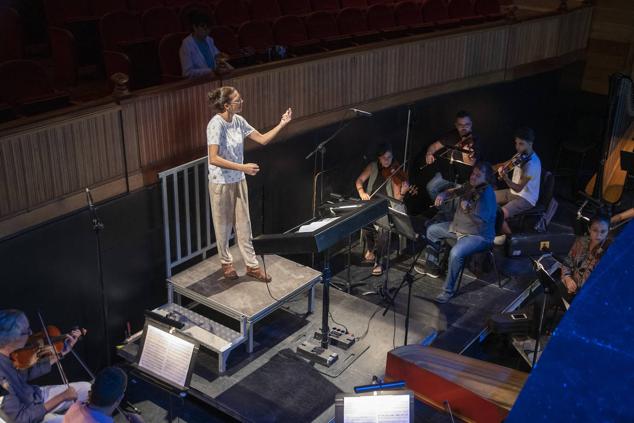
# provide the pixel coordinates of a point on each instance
(258, 273)
(372, 258)
(229, 272)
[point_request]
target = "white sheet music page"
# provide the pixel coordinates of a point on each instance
(376, 409)
(166, 355)
(311, 227)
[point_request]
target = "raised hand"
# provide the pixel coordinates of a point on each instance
(286, 117)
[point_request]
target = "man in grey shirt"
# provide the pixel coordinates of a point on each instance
(473, 226)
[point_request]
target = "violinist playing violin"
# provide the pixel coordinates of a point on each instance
(473, 226)
(523, 186)
(28, 403)
(452, 171)
(376, 174)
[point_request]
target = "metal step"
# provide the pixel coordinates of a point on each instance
(209, 333)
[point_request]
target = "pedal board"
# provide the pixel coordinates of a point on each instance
(338, 337)
(314, 352)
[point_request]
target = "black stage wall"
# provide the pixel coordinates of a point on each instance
(53, 267)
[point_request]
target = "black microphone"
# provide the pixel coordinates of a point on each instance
(89, 198)
(361, 112)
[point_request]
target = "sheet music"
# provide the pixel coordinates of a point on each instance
(376, 409)
(311, 227)
(166, 355)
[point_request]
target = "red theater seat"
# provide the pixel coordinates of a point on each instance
(323, 26)
(225, 39)
(168, 54)
(318, 5)
(265, 10)
(118, 27)
(159, 21)
(463, 10)
(101, 7)
(380, 17)
(352, 21)
(59, 12)
(290, 31)
(295, 7)
(361, 4)
(437, 12)
(409, 13)
(64, 53)
(232, 13)
(11, 40)
(25, 85)
(256, 34)
(489, 8)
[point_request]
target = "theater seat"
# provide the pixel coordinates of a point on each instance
(25, 85)
(265, 10)
(463, 10)
(295, 7)
(101, 7)
(168, 55)
(361, 4)
(352, 21)
(437, 13)
(380, 17)
(64, 54)
(489, 8)
(11, 37)
(290, 31)
(323, 26)
(117, 27)
(256, 34)
(409, 14)
(232, 13)
(319, 5)
(159, 21)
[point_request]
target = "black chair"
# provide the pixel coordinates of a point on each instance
(546, 194)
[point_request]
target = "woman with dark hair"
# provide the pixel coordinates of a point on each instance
(198, 54)
(228, 193)
(585, 253)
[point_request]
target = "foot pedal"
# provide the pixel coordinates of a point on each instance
(338, 338)
(316, 353)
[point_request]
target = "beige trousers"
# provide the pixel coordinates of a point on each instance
(230, 210)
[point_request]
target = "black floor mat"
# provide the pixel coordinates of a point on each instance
(286, 389)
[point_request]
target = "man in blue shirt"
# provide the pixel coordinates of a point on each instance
(198, 54)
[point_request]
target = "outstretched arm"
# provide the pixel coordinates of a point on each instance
(268, 136)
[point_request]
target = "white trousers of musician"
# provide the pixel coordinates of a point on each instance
(56, 415)
(230, 211)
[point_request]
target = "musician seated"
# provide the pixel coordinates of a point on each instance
(28, 403)
(473, 226)
(106, 393)
(585, 254)
(448, 174)
(376, 174)
(523, 186)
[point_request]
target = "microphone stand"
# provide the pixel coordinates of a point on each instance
(318, 170)
(97, 227)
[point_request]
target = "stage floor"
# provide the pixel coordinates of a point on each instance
(275, 384)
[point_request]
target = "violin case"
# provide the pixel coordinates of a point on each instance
(557, 239)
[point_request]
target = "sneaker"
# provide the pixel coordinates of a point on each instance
(420, 269)
(432, 270)
(443, 298)
(499, 240)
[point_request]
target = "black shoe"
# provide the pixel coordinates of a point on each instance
(432, 270)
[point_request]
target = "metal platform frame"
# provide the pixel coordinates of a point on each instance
(188, 234)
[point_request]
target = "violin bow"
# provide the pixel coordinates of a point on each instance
(62, 374)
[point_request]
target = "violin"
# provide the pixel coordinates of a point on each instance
(396, 173)
(519, 159)
(469, 195)
(37, 347)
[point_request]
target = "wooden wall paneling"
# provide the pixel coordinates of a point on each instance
(574, 30)
(533, 41)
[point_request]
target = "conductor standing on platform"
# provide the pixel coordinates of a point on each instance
(228, 193)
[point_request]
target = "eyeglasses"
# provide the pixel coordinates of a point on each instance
(239, 101)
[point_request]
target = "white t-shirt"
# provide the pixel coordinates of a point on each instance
(533, 169)
(229, 137)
